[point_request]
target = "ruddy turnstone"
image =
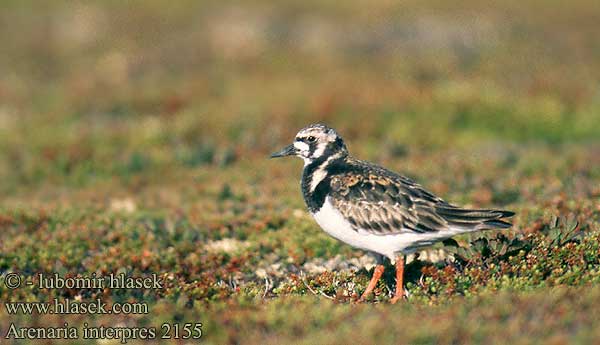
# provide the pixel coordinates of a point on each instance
(374, 209)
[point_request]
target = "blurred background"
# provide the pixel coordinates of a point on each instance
(134, 137)
(93, 90)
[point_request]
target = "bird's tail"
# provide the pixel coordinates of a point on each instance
(474, 220)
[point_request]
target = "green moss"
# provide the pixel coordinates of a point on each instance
(139, 151)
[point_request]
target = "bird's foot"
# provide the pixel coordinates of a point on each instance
(397, 298)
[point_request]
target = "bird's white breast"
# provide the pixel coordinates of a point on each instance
(334, 223)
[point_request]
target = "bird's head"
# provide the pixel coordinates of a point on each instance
(314, 142)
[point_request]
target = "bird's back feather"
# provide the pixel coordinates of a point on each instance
(379, 201)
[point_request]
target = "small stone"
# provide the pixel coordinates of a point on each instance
(226, 245)
(126, 205)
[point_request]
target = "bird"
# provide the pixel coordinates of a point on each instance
(375, 209)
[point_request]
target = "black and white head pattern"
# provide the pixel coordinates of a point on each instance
(318, 143)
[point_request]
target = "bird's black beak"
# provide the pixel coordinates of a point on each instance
(289, 150)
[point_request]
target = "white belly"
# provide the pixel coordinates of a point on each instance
(332, 221)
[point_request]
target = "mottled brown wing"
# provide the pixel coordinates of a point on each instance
(383, 203)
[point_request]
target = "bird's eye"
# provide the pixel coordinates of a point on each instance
(311, 139)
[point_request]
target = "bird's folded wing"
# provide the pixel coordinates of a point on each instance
(381, 204)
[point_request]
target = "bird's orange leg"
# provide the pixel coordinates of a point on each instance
(376, 276)
(399, 279)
